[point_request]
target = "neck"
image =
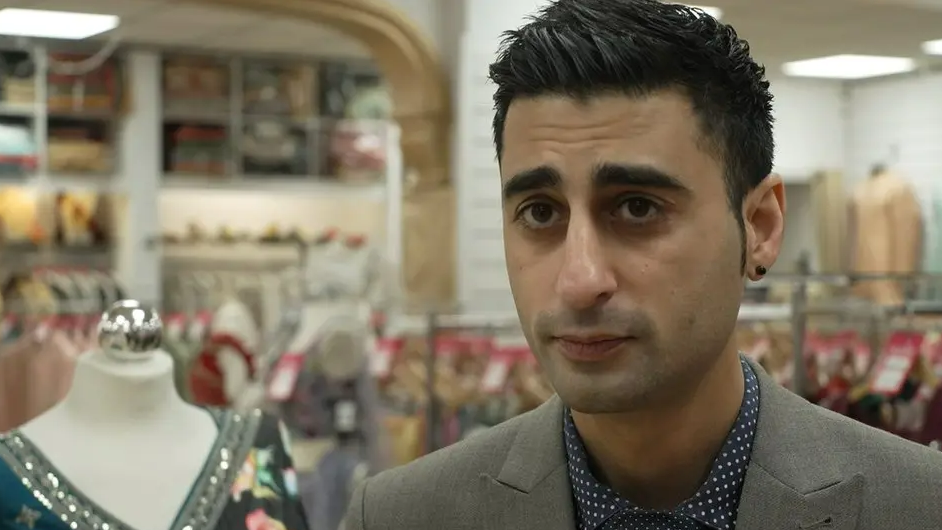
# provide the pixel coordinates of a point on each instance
(658, 458)
(106, 391)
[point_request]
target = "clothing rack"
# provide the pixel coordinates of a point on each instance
(438, 324)
(798, 310)
(432, 325)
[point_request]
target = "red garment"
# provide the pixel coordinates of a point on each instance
(207, 386)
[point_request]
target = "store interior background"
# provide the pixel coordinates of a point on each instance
(430, 214)
(821, 125)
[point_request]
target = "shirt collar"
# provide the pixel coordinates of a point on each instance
(715, 505)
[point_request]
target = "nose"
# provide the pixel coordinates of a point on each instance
(586, 279)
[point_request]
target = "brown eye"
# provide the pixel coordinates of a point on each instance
(638, 209)
(539, 215)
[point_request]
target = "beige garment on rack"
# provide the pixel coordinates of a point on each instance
(887, 227)
(34, 376)
(829, 202)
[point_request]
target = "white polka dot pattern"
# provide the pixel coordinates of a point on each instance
(713, 507)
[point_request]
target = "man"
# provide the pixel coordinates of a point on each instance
(635, 147)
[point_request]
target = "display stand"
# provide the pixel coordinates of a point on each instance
(300, 138)
(234, 118)
(57, 125)
(59, 152)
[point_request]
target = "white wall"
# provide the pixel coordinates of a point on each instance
(897, 121)
(809, 126)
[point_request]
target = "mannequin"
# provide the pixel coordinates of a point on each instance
(886, 231)
(124, 449)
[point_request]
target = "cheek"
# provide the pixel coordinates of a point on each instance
(692, 271)
(531, 279)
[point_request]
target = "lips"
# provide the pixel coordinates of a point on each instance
(588, 349)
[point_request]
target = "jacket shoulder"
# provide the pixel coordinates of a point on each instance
(898, 472)
(438, 483)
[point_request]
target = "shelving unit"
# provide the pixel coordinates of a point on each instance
(241, 142)
(53, 124)
(271, 119)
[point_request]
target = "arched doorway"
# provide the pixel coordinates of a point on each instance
(422, 106)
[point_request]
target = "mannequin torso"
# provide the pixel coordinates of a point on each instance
(887, 224)
(123, 452)
(116, 414)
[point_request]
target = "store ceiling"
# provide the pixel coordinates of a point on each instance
(182, 24)
(779, 30)
(786, 30)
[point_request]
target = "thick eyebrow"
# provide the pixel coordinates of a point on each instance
(606, 175)
(530, 180)
(610, 175)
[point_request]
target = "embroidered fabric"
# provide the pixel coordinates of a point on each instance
(247, 482)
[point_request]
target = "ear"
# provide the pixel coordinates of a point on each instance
(764, 219)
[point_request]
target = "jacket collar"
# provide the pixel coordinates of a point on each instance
(792, 482)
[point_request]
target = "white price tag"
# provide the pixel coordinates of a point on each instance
(345, 416)
(285, 377)
(495, 376)
(380, 363)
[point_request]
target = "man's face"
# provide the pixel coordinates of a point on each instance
(622, 251)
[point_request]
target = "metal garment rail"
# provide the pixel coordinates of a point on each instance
(796, 312)
(437, 324)
(874, 313)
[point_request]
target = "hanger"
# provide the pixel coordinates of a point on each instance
(206, 284)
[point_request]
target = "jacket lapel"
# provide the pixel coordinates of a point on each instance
(532, 490)
(794, 481)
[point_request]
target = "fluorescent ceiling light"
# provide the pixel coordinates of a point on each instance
(932, 47)
(54, 24)
(714, 12)
(849, 67)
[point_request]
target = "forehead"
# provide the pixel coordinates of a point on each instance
(572, 135)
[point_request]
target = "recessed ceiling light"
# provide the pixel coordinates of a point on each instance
(932, 47)
(714, 12)
(849, 67)
(54, 24)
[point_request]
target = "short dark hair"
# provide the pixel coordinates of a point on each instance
(582, 48)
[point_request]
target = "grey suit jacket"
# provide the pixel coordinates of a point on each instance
(811, 469)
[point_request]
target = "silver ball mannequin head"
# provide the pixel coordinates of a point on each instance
(129, 331)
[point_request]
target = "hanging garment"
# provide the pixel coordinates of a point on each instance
(312, 411)
(258, 494)
(207, 380)
(932, 254)
(887, 236)
(35, 375)
(326, 491)
(829, 203)
(183, 354)
(932, 427)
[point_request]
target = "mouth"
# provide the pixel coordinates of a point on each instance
(589, 348)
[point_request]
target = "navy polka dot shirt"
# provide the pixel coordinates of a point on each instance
(715, 505)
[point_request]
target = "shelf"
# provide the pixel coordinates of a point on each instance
(267, 118)
(293, 185)
(765, 312)
(17, 257)
(19, 110)
(55, 122)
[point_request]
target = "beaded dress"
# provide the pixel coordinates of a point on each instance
(247, 483)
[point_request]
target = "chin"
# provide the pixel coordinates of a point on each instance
(603, 394)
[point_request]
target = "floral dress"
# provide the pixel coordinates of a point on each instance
(260, 493)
